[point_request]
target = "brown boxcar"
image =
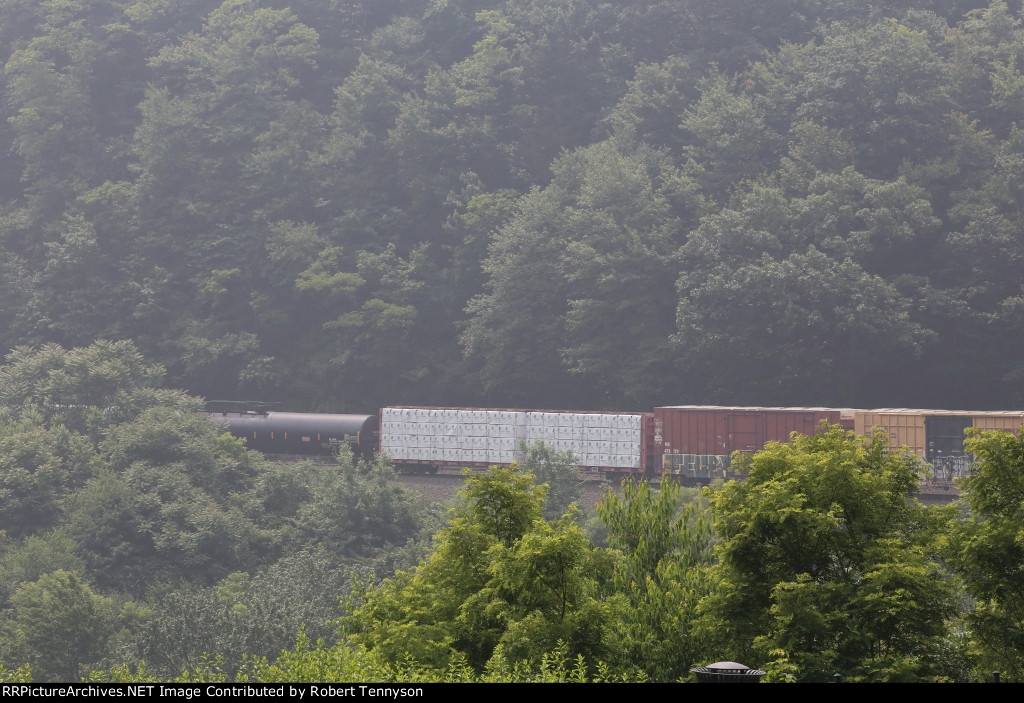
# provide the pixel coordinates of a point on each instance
(696, 441)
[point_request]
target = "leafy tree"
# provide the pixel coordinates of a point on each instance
(22, 674)
(384, 315)
(80, 293)
(33, 477)
(727, 138)
(500, 578)
(826, 556)
(36, 555)
(309, 662)
(220, 180)
(162, 436)
(66, 122)
(503, 504)
(560, 470)
(987, 549)
(353, 509)
(468, 229)
(546, 590)
(224, 111)
(181, 472)
(85, 389)
(574, 280)
(110, 524)
(804, 327)
(859, 80)
(984, 63)
(245, 617)
(535, 81)
(767, 258)
(665, 538)
(58, 626)
(657, 96)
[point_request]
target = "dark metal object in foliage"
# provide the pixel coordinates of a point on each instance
(727, 672)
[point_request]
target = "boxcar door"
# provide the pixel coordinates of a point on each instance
(944, 435)
(746, 432)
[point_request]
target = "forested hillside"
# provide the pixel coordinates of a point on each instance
(132, 528)
(562, 203)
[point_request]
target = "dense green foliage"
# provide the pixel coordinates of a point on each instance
(821, 561)
(502, 582)
(987, 548)
(666, 543)
(134, 528)
(562, 203)
(826, 556)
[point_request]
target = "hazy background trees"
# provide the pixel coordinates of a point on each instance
(562, 204)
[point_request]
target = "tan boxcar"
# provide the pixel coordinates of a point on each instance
(1007, 422)
(904, 428)
(936, 436)
(933, 434)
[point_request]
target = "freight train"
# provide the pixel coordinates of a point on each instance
(694, 443)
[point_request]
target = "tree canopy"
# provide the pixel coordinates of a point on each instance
(501, 582)
(986, 548)
(124, 507)
(561, 204)
(826, 556)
